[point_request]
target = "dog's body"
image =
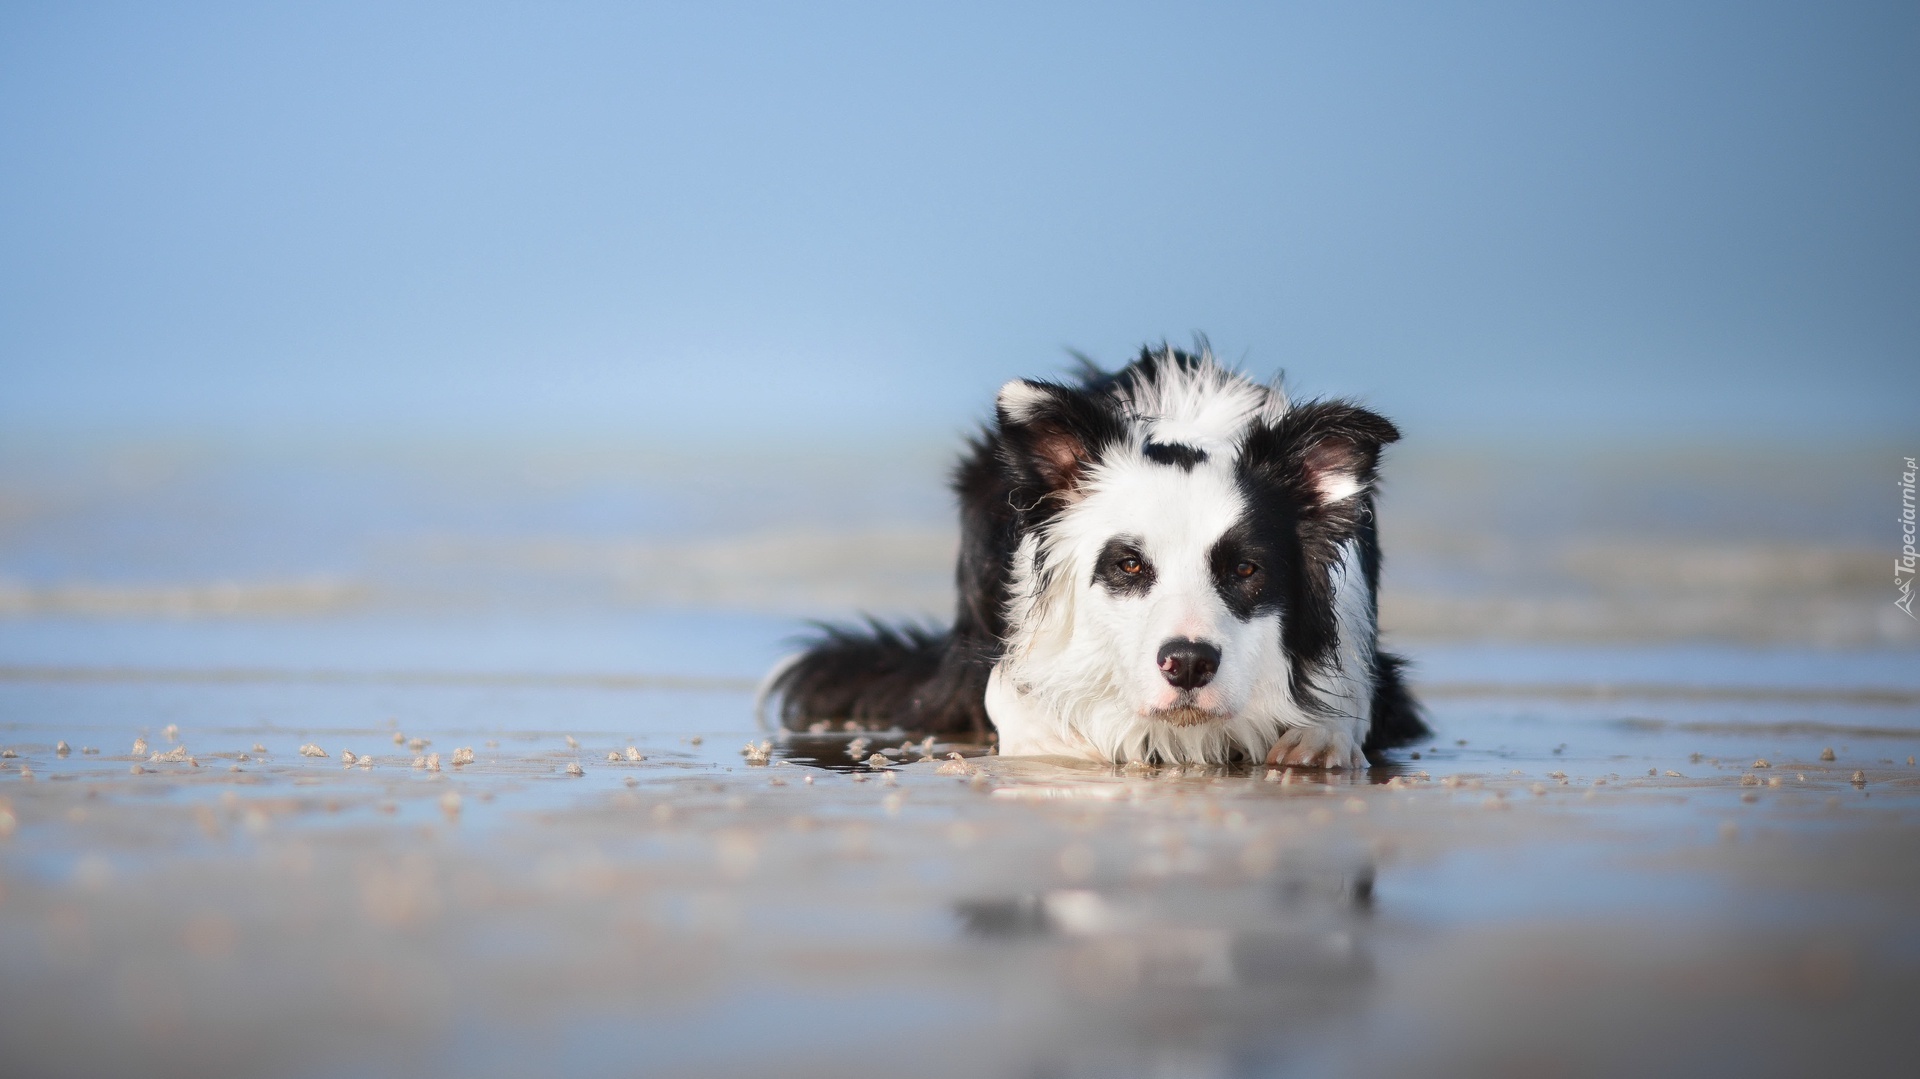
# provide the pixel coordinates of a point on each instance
(1170, 563)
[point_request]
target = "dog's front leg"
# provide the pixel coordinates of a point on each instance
(1329, 743)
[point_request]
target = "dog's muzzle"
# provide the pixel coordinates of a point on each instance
(1185, 715)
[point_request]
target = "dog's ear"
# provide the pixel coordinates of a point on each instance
(1326, 452)
(1053, 434)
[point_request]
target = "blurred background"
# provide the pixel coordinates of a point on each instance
(618, 337)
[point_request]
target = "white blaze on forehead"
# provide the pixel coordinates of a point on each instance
(1208, 407)
(1176, 514)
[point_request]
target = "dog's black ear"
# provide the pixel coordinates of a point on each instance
(1326, 452)
(1053, 433)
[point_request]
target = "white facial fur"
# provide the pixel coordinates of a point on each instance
(1080, 674)
(1175, 517)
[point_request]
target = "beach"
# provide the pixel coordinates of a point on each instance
(563, 843)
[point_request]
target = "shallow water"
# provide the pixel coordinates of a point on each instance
(1522, 895)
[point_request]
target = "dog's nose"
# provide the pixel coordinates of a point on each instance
(1189, 664)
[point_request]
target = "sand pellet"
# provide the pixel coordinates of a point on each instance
(139, 747)
(1826, 754)
(1859, 779)
(757, 754)
(635, 755)
(576, 770)
(258, 748)
(311, 750)
(463, 755)
(612, 756)
(1762, 763)
(433, 762)
(62, 749)
(171, 732)
(418, 744)
(1671, 774)
(347, 757)
(876, 761)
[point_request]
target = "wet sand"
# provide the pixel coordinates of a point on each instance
(1559, 884)
(1586, 872)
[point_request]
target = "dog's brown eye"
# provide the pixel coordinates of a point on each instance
(1244, 569)
(1130, 565)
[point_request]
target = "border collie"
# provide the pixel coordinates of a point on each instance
(1170, 563)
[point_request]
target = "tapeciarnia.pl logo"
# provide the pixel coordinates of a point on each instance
(1903, 566)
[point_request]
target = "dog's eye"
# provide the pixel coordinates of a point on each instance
(1130, 565)
(1245, 569)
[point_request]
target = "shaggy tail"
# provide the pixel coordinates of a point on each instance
(869, 674)
(882, 676)
(1396, 715)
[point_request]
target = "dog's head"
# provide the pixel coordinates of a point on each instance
(1181, 525)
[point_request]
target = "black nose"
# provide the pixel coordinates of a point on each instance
(1189, 664)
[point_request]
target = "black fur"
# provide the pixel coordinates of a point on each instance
(1011, 481)
(1110, 572)
(882, 676)
(1178, 454)
(1396, 719)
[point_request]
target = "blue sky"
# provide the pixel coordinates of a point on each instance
(771, 222)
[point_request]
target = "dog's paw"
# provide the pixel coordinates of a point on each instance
(1317, 747)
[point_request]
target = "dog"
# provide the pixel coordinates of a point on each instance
(1167, 564)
